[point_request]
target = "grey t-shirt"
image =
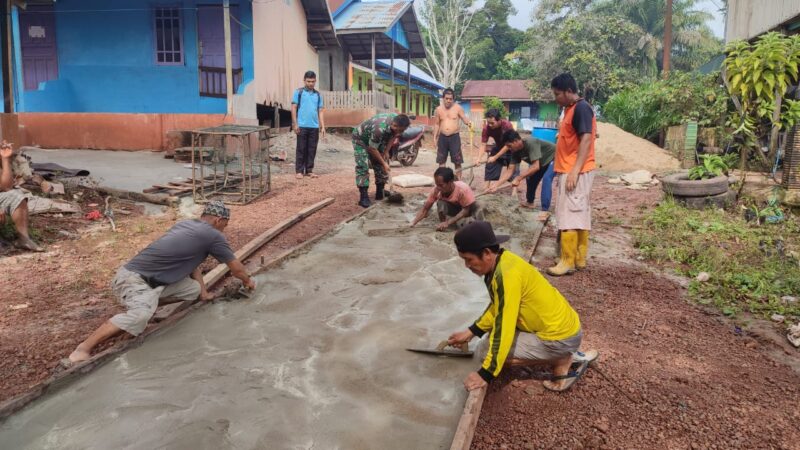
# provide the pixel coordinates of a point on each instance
(175, 255)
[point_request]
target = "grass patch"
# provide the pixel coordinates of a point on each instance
(751, 266)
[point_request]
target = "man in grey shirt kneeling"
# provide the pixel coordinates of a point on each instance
(167, 268)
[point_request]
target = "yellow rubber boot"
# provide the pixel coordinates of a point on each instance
(569, 250)
(583, 249)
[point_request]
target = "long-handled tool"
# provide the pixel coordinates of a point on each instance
(398, 231)
(442, 350)
(502, 186)
(471, 176)
(391, 196)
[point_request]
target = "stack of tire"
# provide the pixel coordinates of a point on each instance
(699, 194)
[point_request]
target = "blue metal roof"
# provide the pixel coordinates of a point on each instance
(416, 73)
(374, 16)
(390, 23)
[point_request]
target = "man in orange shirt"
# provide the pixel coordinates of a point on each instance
(574, 166)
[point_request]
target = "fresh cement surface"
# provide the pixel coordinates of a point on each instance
(129, 171)
(315, 360)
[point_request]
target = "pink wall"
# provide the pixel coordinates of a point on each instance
(108, 131)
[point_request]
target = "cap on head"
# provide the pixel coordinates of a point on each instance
(477, 236)
(217, 208)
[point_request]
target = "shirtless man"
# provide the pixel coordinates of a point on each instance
(445, 130)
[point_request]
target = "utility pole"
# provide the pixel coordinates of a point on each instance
(226, 17)
(667, 39)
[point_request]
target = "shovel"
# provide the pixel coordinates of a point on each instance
(442, 350)
(391, 196)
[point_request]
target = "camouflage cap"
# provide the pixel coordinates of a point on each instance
(217, 208)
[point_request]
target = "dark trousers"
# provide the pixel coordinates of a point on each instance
(544, 175)
(306, 150)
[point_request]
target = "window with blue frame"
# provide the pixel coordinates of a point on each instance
(169, 39)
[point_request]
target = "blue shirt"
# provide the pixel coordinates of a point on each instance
(308, 113)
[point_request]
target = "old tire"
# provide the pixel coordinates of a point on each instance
(724, 200)
(679, 185)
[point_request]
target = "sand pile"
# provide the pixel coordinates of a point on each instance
(617, 150)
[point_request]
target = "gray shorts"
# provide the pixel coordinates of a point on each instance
(452, 210)
(529, 346)
(141, 300)
(10, 200)
(449, 145)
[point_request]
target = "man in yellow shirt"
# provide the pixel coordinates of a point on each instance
(529, 322)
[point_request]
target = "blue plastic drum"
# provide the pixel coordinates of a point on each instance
(545, 134)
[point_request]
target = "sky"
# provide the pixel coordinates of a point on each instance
(524, 8)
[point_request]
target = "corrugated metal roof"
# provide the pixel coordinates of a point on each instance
(503, 89)
(400, 66)
(358, 22)
(374, 15)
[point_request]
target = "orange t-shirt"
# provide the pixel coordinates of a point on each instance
(572, 127)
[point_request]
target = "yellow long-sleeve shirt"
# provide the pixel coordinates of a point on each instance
(521, 298)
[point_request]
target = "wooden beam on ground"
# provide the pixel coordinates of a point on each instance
(462, 440)
(399, 231)
(159, 199)
(215, 275)
(65, 376)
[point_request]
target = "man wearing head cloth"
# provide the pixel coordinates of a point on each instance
(528, 321)
(168, 270)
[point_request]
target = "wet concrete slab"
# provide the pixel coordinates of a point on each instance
(316, 359)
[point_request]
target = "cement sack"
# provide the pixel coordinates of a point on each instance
(637, 177)
(41, 205)
(412, 180)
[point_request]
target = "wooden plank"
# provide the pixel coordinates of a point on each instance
(220, 271)
(63, 378)
(398, 231)
(462, 440)
(159, 199)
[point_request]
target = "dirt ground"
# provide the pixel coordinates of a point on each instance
(51, 301)
(676, 375)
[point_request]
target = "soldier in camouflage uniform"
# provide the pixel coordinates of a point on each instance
(372, 141)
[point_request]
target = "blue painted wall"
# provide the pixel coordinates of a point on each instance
(106, 61)
(398, 34)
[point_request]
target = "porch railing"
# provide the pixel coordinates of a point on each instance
(212, 81)
(381, 101)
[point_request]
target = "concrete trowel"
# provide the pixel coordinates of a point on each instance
(442, 350)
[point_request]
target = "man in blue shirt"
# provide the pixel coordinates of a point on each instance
(307, 109)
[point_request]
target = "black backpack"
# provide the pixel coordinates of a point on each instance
(300, 98)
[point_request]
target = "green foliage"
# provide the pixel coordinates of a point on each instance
(513, 68)
(491, 39)
(614, 44)
(494, 102)
(710, 166)
(748, 272)
(646, 109)
(758, 74)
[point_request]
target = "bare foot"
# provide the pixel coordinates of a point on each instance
(78, 356)
(526, 205)
(26, 243)
(313, 175)
(299, 176)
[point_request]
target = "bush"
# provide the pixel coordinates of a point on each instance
(656, 105)
(751, 267)
(494, 102)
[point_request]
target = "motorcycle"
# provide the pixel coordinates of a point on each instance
(407, 150)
